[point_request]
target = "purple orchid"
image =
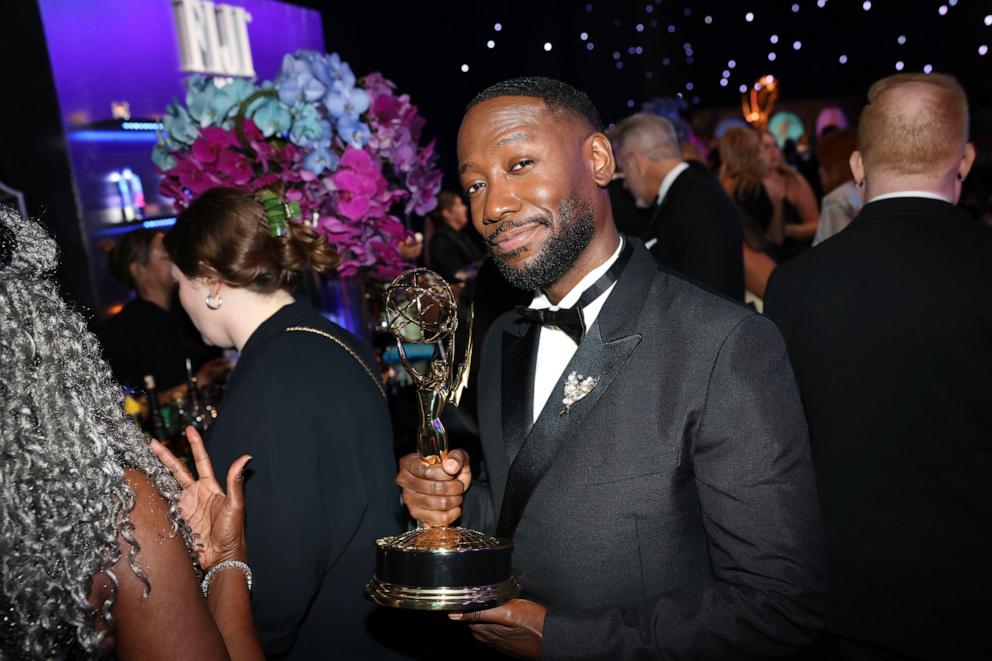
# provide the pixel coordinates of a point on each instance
(235, 167)
(212, 141)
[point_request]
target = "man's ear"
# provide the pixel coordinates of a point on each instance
(136, 270)
(966, 161)
(600, 154)
(857, 168)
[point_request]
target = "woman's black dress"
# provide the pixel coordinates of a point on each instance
(319, 489)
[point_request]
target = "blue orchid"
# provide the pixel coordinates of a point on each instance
(340, 70)
(162, 155)
(352, 131)
(329, 69)
(227, 101)
(308, 127)
(341, 101)
(270, 115)
(179, 127)
(321, 159)
(200, 93)
(296, 81)
(210, 104)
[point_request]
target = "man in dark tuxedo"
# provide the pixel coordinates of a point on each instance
(694, 228)
(889, 327)
(643, 439)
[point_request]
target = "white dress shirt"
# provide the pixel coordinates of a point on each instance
(555, 348)
(839, 208)
(666, 184)
(909, 193)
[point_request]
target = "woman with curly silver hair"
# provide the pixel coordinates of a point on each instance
(94, 554)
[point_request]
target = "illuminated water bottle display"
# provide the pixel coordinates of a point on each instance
(131, 193)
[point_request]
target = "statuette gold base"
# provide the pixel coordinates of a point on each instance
(443, 569)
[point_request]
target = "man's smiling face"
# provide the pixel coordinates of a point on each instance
(524, 170)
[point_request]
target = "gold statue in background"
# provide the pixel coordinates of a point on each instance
(757, 103)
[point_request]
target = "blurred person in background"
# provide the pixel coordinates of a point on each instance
(452, 252)
(843, 199)
(694, 228)
(789, 189)
(152, 334)
(742, 174)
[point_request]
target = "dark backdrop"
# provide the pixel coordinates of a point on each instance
(422, 47)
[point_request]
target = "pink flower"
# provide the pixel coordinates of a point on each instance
(376, 84)
(423, 182)
(212, 141)
(194, 179)
(236, 166)
(359, 182)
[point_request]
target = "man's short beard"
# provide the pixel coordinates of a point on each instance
(558, 254)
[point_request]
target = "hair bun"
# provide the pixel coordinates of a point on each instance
(303, 248)
(26, 247)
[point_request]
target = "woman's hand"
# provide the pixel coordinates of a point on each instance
(217, 520)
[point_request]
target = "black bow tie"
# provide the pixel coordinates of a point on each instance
(570, 320)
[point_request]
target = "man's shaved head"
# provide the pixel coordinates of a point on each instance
(914, 124)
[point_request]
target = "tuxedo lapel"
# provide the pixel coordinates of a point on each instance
(651, 229)
(517, 387)
(595, 358)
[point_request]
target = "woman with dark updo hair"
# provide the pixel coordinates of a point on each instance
(305, 401)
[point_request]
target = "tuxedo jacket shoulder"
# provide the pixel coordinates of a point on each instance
(889, 327)
(686, 468)
(698, 233)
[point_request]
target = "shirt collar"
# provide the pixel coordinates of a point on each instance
(541, 301)
(909, 193)
(669, 179)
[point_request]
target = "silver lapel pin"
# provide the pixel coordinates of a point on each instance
(577, 387)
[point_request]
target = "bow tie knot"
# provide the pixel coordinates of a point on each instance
(568, 320)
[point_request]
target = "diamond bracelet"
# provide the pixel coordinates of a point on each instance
(205, 584)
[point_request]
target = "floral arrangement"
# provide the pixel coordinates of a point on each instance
(346, 150)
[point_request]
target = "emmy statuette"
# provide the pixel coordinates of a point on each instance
(437, 568)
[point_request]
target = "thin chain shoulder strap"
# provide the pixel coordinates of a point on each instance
(307, 329)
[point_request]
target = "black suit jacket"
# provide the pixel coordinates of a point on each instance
(677, 517)
(889, 327)
(698, 233)
(319, 489)
(145, 339)
(451, 251)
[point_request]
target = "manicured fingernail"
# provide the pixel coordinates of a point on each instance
(455, 616)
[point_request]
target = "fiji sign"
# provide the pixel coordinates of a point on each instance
(213, 38)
